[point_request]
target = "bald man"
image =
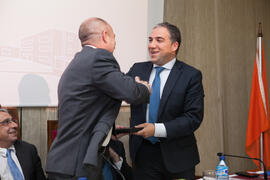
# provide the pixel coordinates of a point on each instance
(90, 92)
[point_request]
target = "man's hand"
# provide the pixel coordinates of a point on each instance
(119, 135)
(138, 80)
(115, 157)
(147, 131)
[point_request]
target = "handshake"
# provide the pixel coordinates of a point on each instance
(138, 80)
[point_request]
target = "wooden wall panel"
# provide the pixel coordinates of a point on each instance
(34, 127)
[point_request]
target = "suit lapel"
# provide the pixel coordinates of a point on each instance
(20, 156)
(147, 71)
(145, 76)
(170, 83)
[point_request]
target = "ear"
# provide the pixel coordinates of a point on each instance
(105, 36)
(174, 46)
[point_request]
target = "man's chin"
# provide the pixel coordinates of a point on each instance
(13, 137)
(153, 59)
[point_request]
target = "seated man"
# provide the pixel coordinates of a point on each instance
(19, 160)
(118, 162)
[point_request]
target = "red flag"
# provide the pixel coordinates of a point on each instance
(258, 116)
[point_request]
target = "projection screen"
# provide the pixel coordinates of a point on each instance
(39, 38)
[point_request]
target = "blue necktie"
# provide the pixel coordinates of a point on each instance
(154, 101)
(16, 173)
(82, 178)
(107, 172)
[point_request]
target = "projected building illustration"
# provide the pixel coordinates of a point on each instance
(52, 48)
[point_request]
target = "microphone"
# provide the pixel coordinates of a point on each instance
(245, 157)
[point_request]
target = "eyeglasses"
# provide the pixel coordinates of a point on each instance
(3, 110)
(8, 121)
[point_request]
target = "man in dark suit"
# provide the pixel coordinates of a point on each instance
(90, 92)
(19, 160)
(166, 148)
(118, 160)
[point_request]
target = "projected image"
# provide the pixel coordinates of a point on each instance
(41, 58)
(39, 39)
(46, 52)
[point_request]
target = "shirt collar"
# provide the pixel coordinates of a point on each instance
(168, 65)
(92, 46)
(3, 151)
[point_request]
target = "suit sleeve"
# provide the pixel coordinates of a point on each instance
(108, 77)
(193, 107)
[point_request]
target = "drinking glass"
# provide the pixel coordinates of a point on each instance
(209, 174)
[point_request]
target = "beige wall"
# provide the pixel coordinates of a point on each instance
(219, 38)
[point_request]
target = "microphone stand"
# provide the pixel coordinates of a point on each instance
(244, 157)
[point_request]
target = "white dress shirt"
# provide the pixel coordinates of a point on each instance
(160, 130)
(5, 173)
(119, 163)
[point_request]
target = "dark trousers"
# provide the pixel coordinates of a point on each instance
(149, 165)
(92, 173)
(55, 176)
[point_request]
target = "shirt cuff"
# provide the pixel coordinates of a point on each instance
(119, 163)
(160, 130)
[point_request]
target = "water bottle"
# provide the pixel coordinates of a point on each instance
(222, 169)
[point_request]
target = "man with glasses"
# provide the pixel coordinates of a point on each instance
(19, 160)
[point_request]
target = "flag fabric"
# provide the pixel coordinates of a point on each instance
(258, 116)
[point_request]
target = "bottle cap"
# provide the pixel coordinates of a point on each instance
(222, 158)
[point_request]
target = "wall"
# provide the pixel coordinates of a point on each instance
(219, 38)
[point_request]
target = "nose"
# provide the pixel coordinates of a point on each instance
(14, 124)
(151, 44)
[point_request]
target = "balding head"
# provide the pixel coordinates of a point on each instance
(97, 32)
(91, 29)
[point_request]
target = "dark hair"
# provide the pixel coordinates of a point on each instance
(175, 34)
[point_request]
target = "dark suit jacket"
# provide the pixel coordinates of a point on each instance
(29, 161)
(89, 96)
(181, 111)
(126, 170)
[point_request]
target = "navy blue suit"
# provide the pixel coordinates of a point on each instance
(181, 110)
